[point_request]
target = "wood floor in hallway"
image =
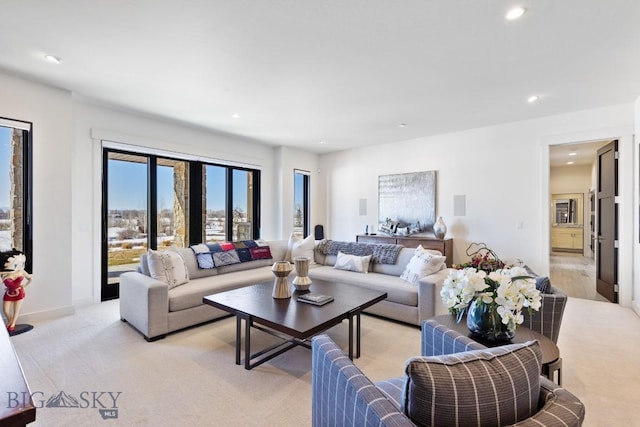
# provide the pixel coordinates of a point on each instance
(575, 275)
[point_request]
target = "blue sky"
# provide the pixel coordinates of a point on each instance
(128, 186)
(5, 151)
(298, 188)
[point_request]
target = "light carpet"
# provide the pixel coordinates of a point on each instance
(190, 378)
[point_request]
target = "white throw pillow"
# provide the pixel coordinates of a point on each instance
(168, 267)
(300, 247)
(421, 250)
(359, 264)
(422, 264)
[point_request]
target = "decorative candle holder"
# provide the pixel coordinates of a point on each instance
(281, 288)
(302, 281)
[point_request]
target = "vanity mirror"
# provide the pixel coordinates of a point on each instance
(567, 209)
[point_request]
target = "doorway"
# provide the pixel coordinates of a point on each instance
(574, 251)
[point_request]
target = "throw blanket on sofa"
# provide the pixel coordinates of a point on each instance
(211, 255)
(382, 253)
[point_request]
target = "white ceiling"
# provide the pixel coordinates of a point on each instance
(585, 153)
(346, 72)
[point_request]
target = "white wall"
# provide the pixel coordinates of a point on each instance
(502, 170)
(288, 159)
(570, 179)
(50, 111)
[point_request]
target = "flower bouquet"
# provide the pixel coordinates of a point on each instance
(482, 258)
(493, 300)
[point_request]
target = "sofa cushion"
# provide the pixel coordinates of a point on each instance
(191, 294)
(300, 247)
(225, 258)
(191, 262)
(203, 256)
(144, 265)
(403, 258)
(393, 389)
(244, 266)
(278, 250)
(397, 289)
(358, 264)
(496, 386)
(422, 264)
(167, 267)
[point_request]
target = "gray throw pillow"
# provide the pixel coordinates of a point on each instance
(543, 284)
(491, 387)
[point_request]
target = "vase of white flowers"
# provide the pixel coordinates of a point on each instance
(492, 301)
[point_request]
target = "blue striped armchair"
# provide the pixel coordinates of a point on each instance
(343, 396)
(548, 319)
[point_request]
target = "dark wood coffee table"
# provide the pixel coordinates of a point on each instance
(292, 321)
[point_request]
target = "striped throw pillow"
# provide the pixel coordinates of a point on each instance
(492, 387)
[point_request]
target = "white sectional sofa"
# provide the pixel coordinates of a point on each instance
(405, 302)
(151, 307)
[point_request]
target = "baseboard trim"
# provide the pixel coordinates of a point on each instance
(47, 314)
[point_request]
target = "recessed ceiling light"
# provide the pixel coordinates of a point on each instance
(321, 142)
(53, 59)
(569, 163)
(402, 125)
(532, 98)
(515, 13)
(573, 153)
(235, 115)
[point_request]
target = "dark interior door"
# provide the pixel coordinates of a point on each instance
(607, 220)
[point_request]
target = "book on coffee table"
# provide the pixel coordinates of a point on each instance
(315, 299)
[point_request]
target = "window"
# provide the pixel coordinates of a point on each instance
(215, 203)
(242, 202)
(15, 187)
(172, 197)
(126, 204)
(300, 203)
(147, 204)
(231, 203)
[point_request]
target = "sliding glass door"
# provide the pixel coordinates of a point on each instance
(215, 219)
(15, 187)
(126, 216)
(147, 200)
(242, 205)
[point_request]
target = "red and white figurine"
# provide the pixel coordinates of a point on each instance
(15, 278)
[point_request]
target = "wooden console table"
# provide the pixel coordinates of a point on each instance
(445, 246)
(16, 406)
